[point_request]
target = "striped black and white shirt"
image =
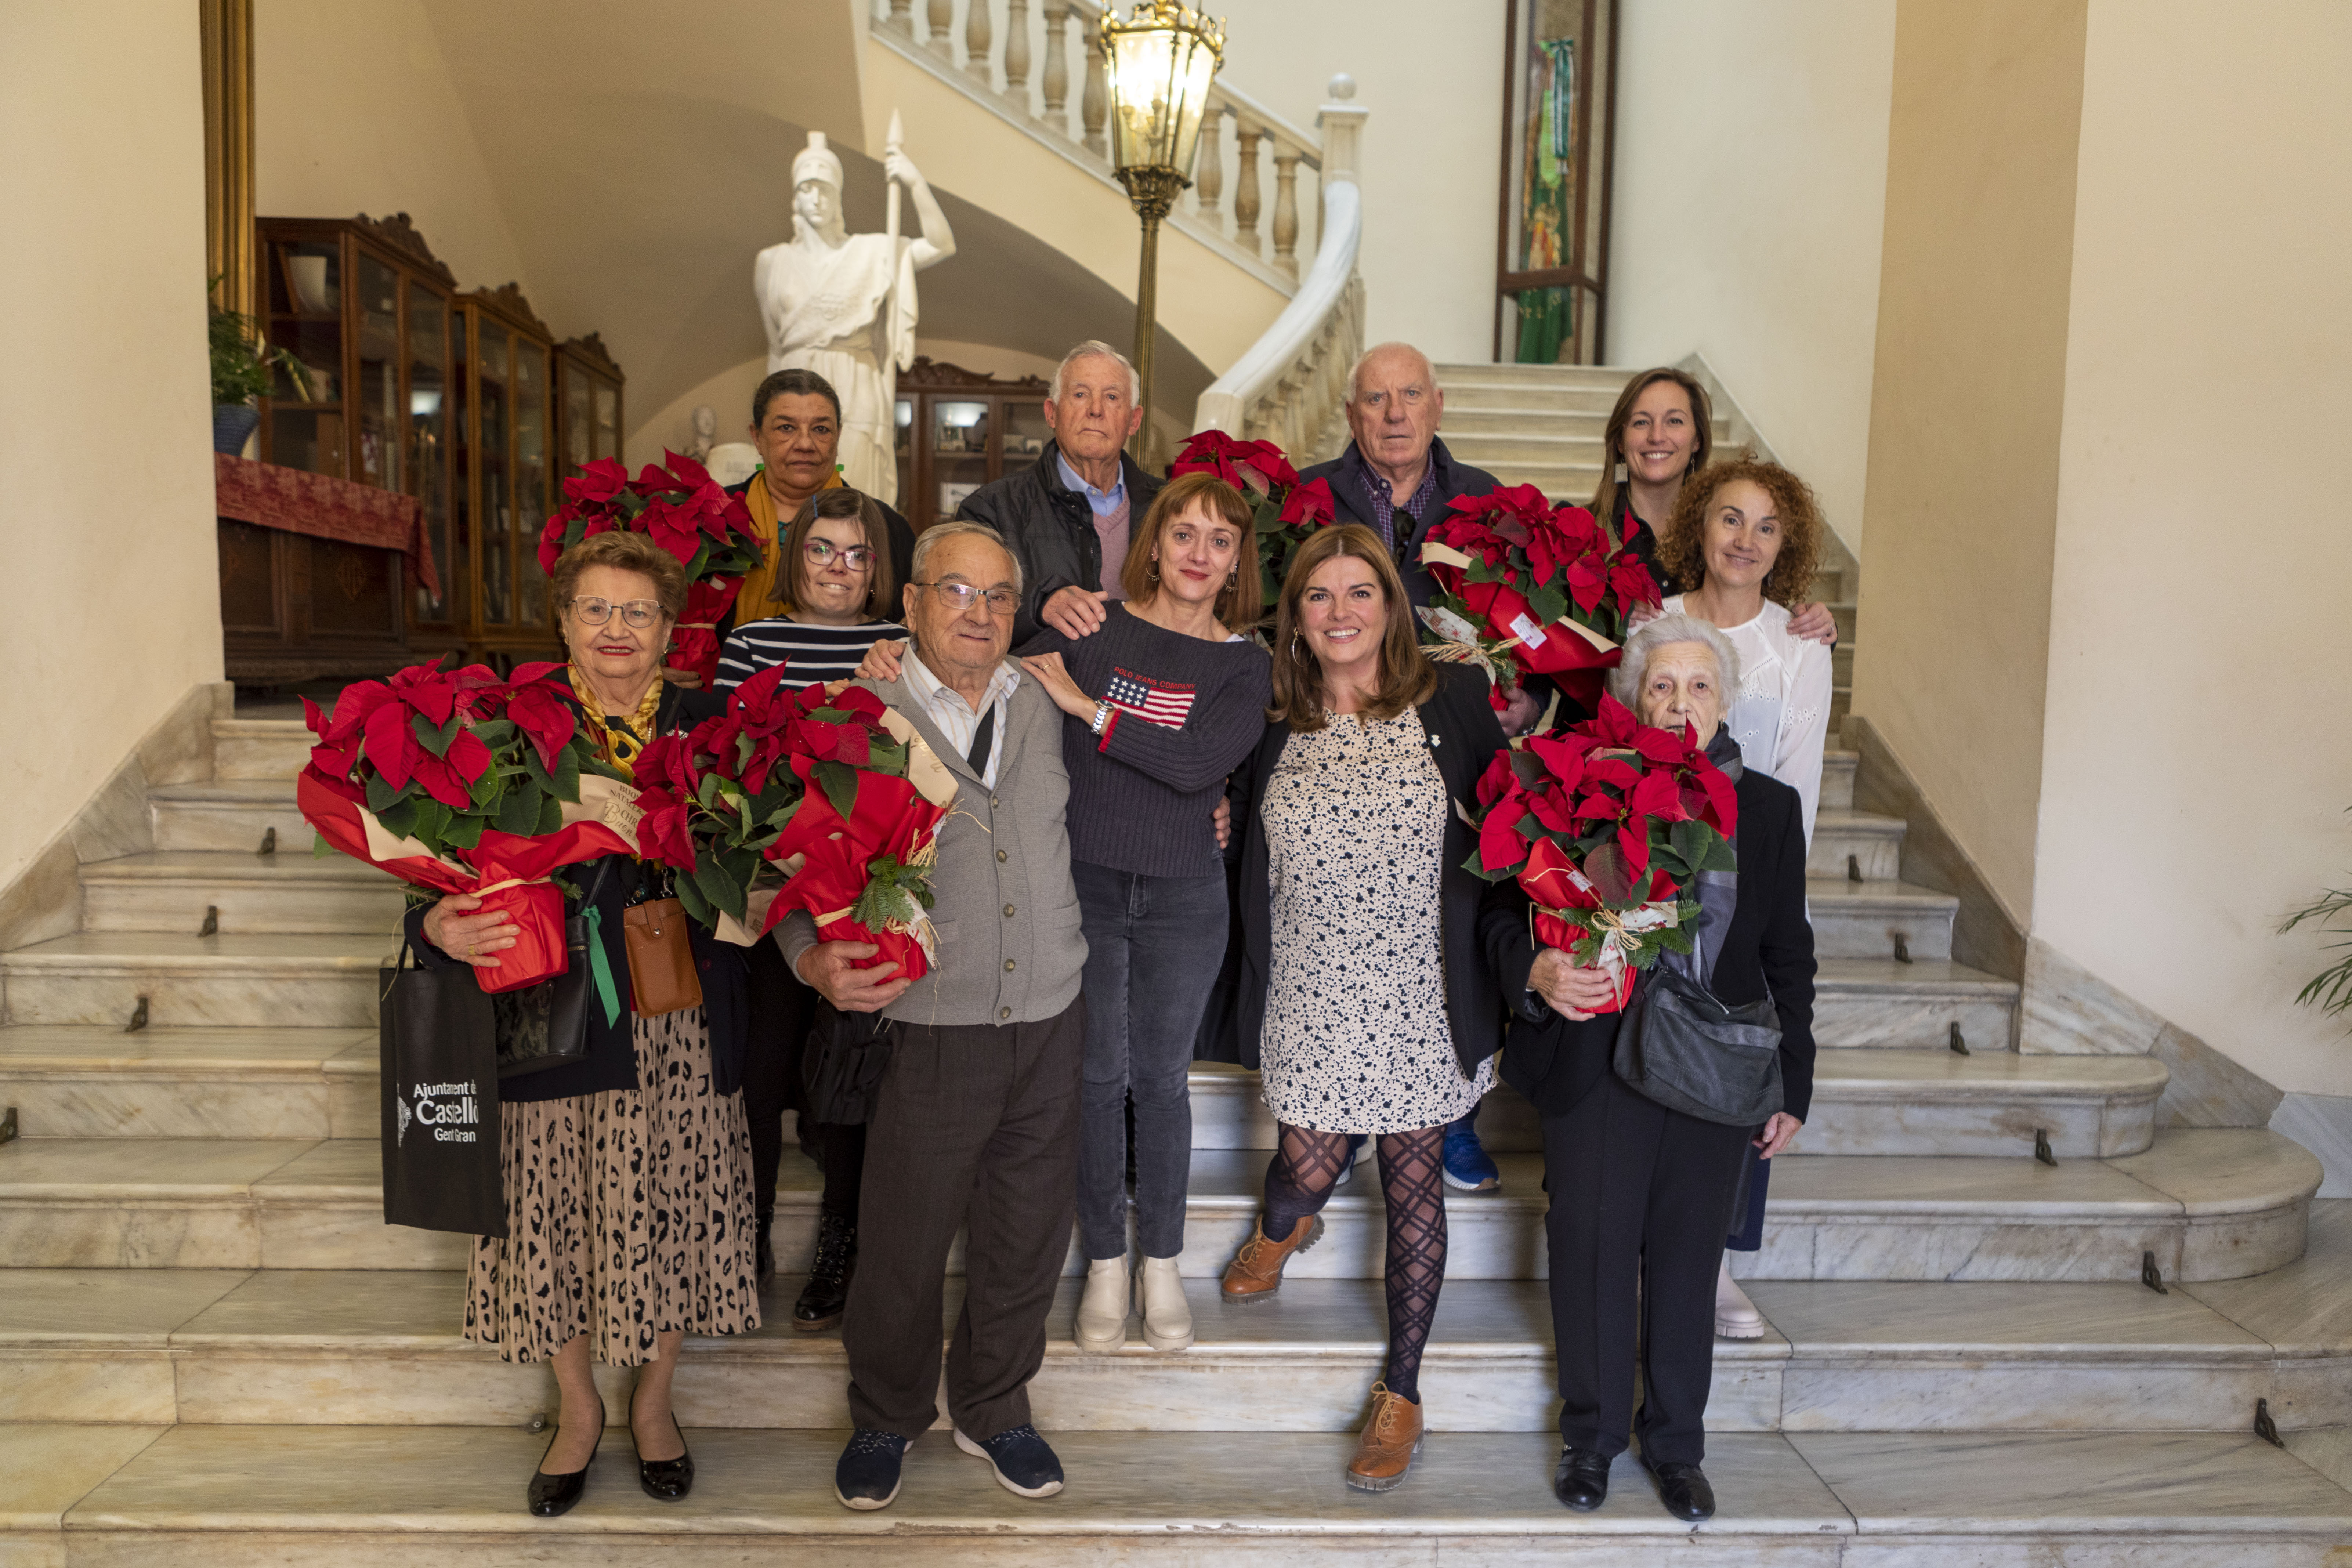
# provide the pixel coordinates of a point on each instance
(809, 652)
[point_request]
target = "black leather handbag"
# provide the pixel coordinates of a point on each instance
(841, 1068)
(546, 1025)
(1680, 1047)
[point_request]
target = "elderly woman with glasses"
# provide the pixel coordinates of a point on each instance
(823, 614)
(1643, 1195)
(627, 1175)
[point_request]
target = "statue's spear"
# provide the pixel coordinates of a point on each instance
(889, 432)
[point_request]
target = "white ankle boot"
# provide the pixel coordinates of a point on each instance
(1167, 1316)
(1102, 1309)
(1736, 1317)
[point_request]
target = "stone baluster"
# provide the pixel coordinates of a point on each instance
(1245, 198)
(1286, 208)
(975, 42)
(1058, 65)
(1016, 53)
(1210, 171)
(1095, 107)
(939, 16)
(902, 18)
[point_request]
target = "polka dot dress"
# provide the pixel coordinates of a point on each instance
(1356, 1038)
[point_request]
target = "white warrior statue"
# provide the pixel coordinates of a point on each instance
(843, 305)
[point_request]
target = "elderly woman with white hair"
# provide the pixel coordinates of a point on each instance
(1642, 1193)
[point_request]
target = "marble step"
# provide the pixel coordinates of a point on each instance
(231, 814)
(94, 1082)
(1563, 483)
(190, 1496)
(260, 748)
(1872, 841)
(296, 1347)
(2210, 1203)
(1878, 1002)
(1519, 378)
(1837, 779)
(1482, 411)
(1534, 441)
(1844, 614)
(1862, 920)
(1841, 663)
(311, 979)
(170, 890)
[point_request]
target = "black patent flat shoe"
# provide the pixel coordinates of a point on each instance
(1581, 1478)
(551, 1496)
(1685, 1490)
(666, 1480)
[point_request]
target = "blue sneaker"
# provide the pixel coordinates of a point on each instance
(1469, 1167)
(1359, 1150)
(866, 1477)
(1022, 1463)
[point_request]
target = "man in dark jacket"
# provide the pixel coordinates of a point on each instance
(1067, 516)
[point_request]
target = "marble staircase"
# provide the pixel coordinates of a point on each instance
(1962, 1365)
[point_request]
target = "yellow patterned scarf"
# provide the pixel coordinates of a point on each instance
(619, 740)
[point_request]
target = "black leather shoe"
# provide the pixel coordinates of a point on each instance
(1684, 1490)
(1581, 1478)
(666, 1480)
(766, 1266)
(827, 1292)
(553, 1495)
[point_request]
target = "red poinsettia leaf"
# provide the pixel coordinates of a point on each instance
(1269, 460)
(690, 474)
(468, 758)
(392, 748)
(1499, 780)
(1555, 809)
(1310, 505)
(597, 481)
(1656, 797)
(1500, 847)
(1658, 745)
(1604, 868)
(1633, 843)
(1563, 760)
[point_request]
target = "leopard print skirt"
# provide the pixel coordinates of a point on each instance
(629, 1212)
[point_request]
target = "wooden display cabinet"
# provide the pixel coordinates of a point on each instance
(958, 429)
(588, 387)
(502, 480)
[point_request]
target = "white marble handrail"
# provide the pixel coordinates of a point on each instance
(1025, 58)
(1290, 384)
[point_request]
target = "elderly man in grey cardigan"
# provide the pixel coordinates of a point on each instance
(976, 1122)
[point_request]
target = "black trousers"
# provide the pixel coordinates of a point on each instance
(976, 1127)
(781, 1010)
(1640, 1194)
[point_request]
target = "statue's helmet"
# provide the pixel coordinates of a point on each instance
(817, 161)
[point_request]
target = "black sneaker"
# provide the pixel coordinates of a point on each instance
(866, 1475)
(1023, 1462)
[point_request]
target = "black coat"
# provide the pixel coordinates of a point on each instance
(1351, 479)
(1050, 529)
(1555, 1062)
(612, 1061)
(902, 561)
(1464, 735)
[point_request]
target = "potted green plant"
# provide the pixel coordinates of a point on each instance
(241, 366)
(2331, 989)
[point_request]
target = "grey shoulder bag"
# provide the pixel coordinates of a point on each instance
(1680, 1047)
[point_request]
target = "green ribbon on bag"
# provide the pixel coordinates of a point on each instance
(602, 967)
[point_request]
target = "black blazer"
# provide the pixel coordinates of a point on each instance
(1556, 1063)
(1463, 734)
(612, 1061)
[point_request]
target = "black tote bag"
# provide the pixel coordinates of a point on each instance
(1680, 1048)
(437, 1047)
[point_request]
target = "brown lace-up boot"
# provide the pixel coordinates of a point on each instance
(1255, 1271)
(1391, 1440)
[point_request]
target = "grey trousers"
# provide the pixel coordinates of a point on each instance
(976, 1127)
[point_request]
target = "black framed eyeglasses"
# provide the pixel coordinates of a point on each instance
(821, 553)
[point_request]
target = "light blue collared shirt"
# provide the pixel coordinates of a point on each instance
(1103, 502)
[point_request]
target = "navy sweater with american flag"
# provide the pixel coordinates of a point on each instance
(1185, 713)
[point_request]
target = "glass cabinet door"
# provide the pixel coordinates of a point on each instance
(1026, 434)
(306, 291)
(608, 421)
(381, 420)
(494, 423)
(533, 415)
(960, 440)
(577, 396)
(429, 426)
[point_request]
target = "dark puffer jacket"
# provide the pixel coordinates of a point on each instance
(1051, 530)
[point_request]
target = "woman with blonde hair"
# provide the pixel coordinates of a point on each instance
(1363, 997)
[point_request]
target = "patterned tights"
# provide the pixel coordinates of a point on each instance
(1298, 1181)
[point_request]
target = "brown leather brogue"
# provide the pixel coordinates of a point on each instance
(1255, 1271)
(1391, 1440)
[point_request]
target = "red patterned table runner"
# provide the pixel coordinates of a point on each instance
(323, 507)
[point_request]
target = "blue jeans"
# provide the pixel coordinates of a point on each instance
(1154, 946)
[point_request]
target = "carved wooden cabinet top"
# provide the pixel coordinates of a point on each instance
(928, 374)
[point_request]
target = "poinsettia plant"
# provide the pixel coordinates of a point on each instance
(1607, 826)
(457, 781)
(686, 512)
(1548, 588)
(1287, 512)
(799, 799)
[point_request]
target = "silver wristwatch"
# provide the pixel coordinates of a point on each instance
(1102, 717)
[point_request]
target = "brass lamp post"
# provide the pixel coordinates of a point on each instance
(1160, 61)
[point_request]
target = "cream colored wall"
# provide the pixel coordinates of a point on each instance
(2196, 767)
(1968, 390)
(1431, 151)
(1749, 207)
(105, 412)
(354, 111)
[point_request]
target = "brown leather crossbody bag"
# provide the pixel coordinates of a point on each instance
(662, 976)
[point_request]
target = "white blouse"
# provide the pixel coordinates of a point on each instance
(1781, 715)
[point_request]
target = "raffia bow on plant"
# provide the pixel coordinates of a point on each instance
(685, 511)
(457, 781)
(1607, 826)
(1285, 511)
(809, 800)
(1547, 588)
